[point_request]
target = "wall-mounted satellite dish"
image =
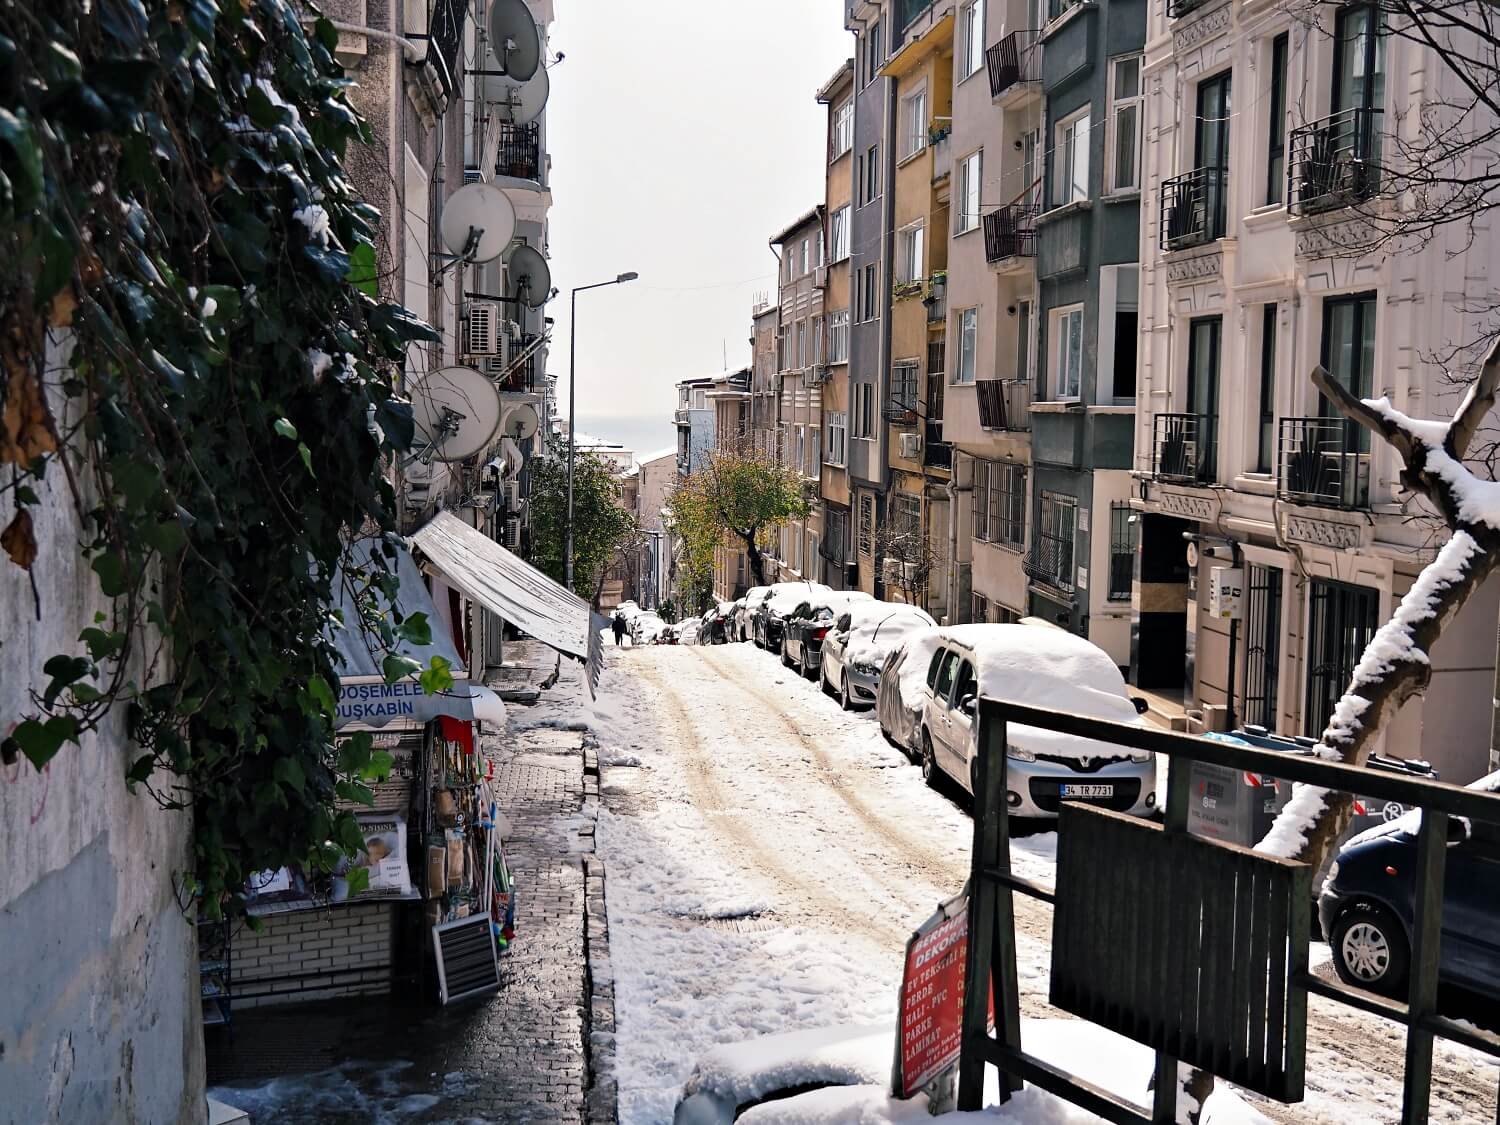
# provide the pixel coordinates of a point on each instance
(514, 39)
(519, 102)
(457, 411)
(521, 422)
(530, 276)
(478, 222)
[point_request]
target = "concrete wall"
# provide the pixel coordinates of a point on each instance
(312, 955)
(100, 1020)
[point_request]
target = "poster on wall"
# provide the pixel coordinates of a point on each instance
(384, 855)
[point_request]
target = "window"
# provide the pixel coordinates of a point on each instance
(1071, 182)
(971, 38)
(904, 387)
(822, 255)
(1203, 395)
(906, 517)
(839, 231)
(801, 344)
(1067, 352)
(1341, 624)
(911, 265)
(1000, 503)
(1266, 439)
(981, 609)
(872, 174)
(818, 354)
(1119, 289)
(864, 410)
(867, 525)
(838, 336)
(1348, 354)
(874, 56)
(838, 438)
(1213, 150)
(1025, 353)
(843, 129)
(1262, 644)
(968, 345)
(805, 262)
(1276, 141)
(813, 452)
(1052, 550)
(970, 170)
(913, 124)
(796, 550)
(869, 293)
(946, 675)
(1122, 537)
(1125, 124)
(1031, 168)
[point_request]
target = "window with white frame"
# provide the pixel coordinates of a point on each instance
(797, 448)
(911, 265)
(869, 293)
(971, 38)
(801, 343)
(1071, 174)
(970, 170)
(796, 550)
(872, 174)
(843, 128)
(1066, 346)
(913, 123)
(813, 453)
(1125, 123)
(864, 411)
(838, 336)
(968, 346)
(839, 234)
(822, 258)
(874, 52)
(804, 258)
(836, 452)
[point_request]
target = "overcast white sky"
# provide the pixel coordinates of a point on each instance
(683, 133)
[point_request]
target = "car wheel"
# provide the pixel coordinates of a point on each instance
(807, 669)
(1369, 950)
(785, 662)
(929, 762)
(823, 684)
(846, 701)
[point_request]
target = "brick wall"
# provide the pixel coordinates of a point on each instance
(313, 954)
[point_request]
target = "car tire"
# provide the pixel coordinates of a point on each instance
(846, 701)
(930, 772)
(807, 669)
(823, 683)
(1370, 950)
(785, 663)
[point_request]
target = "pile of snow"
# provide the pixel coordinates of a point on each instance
(687, 630)
(784, 597)
(647, 627)
(876, 629)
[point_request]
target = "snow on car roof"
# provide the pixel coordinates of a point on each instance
(787, 596)
(876, 628)
(742, 1072)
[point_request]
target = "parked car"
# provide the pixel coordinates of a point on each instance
(744, 612)
(644, 628)
(854, 650)
(781, 598)
(1367, 905)
(809, 623)
(1043, 668)
(898, 694)
(667, 636)
(687, 630)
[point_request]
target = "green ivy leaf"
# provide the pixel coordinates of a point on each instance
(359, 880)
(415, 629)
(362, 273)
(354, 791)
(438, 676)
(397, 667)
(40, 741)
(378, 768)
(289, 772)
(65, 671)
(286, 429)
(100, 643)
(322, 694)
(18, 136)
(306, 455)
(111, 572)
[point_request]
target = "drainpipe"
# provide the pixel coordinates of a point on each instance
(951, 487)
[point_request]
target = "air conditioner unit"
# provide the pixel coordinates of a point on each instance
(814, 376)
(484, 335)
(512, 534)
(890, 572)
(820, 277)
(908, 574)
(512, 495)
(911, 446)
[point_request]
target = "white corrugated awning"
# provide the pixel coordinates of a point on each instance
(513, 590)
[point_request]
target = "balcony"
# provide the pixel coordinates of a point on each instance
(1192, 208)
(1183, 448)
(1013, 62)
(899, 412)
(937, 298)
(936, 453)
(1176, 9)
(1004, 404)
(941, 142)
(1334, 162)
(1320, 462)
(519, 155)
(522, 375)
(681, 416)
(1010, 232)
(1051, 562)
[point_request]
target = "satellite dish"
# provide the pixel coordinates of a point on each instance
(457, 411)
(522, 422)
(530, 276)
(482, 208)
(514, 39)
(526, 101)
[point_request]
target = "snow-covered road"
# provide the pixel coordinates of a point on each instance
(769, 854)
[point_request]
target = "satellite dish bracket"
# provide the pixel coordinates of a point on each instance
(471, 245)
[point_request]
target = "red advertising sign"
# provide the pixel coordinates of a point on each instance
(932, 998)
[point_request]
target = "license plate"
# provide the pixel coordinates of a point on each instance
(1088, 791)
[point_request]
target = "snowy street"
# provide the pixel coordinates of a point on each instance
(769, 854)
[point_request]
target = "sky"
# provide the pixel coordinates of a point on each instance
(683, 135)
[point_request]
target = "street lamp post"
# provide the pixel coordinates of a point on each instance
(573, 405)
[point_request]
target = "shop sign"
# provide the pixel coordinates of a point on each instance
(376, 704)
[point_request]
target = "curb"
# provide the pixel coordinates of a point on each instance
(601, 1098)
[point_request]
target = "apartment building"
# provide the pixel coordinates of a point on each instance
(765, 379)
(915, 541)
(1264, 139)
(800, 345)
(695, 420)
(837, 548)
(869, 272)
(730, 396)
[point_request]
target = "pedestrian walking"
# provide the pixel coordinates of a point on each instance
(618, 625)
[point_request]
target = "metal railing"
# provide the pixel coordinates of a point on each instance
(1010, 232)
(1179, 8)
(1183, 448)
(1051, 561)
(1004, 404)
(1319, 461)
(937, 300)
(1012, 61)
(1192, 208)
(520, 152)
(523, 374)
(1334, 162)
(1213, 968)
(445, 31)
(935, 451)
(899, 412)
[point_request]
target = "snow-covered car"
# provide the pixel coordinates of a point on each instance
(856, 648)
(1367, 905)
(805, 627)
(744, 612)
(898, 697)
(781, 598)
(1042, 668)
(687, 630)
(645, 627)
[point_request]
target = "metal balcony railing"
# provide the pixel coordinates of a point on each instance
(520, 152)
(899, 412)
(1320, 462)
(1010, 232)
(523, 375)
(1183, 448)
(1192, 208)
(1051, 562)
(1012, 61)
(446, 35)
(935, 451)
(1178, 8)
(1004, 404)
(1334, 162)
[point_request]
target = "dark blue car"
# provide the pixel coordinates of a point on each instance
(1366, 906)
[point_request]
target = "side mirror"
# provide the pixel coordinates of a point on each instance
(969, 704)
(1141, 706)
(1458, 830)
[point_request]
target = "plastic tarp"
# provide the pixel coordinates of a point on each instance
(514, 590)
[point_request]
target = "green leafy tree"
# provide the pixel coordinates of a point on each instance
(738, 497)
(601, 525)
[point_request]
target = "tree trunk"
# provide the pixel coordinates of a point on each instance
(757, 560)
